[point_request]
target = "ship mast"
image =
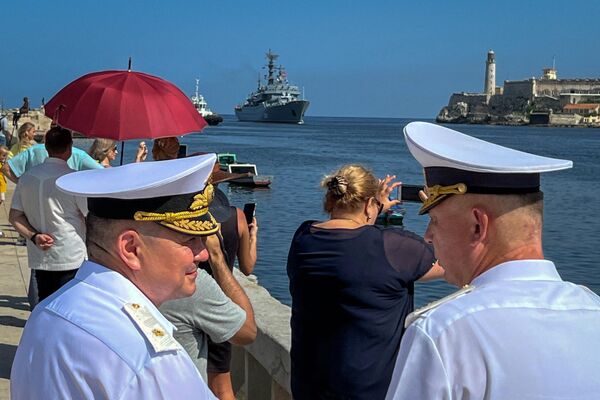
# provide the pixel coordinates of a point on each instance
(197, 82)
(271, 57)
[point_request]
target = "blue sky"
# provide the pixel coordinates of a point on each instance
(366, 59)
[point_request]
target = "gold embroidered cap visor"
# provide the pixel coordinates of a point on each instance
(190, 213)
(442, 182)
(457, 164)
(173, 193)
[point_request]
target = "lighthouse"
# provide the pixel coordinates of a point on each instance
(490, 75)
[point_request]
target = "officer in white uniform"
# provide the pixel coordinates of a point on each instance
(101, 336)
(517, 331)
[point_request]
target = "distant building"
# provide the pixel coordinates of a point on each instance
(549, 73)
(515, 100)
(582, 109)
(591, 120)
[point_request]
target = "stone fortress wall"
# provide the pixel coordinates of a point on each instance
(515, 89)
(514, 102)
(557, 87)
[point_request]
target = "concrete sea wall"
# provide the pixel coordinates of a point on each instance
(261, 370)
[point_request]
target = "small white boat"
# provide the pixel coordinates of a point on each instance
(252, 177)
(228, 162)
(201, 106)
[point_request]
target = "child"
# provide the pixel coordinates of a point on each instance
(3, 157)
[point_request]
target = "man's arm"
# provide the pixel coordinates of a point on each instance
(21, 162)
(19, 220)
(232, 289)
(248, 240)
(8, 172)
(436, 272)
(84, 161)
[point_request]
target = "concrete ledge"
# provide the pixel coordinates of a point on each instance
(266, 362)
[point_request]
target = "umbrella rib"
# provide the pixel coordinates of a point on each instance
(114, 89)
(157, 87)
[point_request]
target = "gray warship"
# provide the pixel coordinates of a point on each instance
(277, 101)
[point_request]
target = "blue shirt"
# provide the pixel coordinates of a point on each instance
(351, 291)
(36, 155)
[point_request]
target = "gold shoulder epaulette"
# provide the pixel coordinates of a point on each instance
(413, 316)
(156, 334)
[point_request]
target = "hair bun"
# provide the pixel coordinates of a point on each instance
(338, 185)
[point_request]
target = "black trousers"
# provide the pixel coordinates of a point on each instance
(49, 282)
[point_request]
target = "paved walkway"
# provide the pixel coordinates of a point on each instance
(14, 308)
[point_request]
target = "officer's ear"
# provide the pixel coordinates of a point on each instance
(480, 220)
(128, 248)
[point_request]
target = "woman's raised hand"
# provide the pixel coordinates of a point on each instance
(386, 187)
(142, 152)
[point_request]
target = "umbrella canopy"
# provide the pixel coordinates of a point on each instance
(123, 105)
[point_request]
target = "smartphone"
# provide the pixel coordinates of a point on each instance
(409, 192)
(182, 153)
(249, 210)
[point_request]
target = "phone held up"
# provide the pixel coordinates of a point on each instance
(409, 193)
(182, 153)
(249, 210)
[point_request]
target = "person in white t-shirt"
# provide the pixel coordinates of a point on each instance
(53, 221)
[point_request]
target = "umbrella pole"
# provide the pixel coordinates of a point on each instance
(122, 151)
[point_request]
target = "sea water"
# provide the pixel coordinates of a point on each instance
(298, 156)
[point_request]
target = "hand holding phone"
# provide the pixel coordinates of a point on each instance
(409, 193)
(249, 210)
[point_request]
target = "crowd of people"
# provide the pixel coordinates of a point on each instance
(135, 281)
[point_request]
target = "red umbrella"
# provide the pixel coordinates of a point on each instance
(123, 105)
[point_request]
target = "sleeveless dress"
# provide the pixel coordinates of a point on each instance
(351, 291)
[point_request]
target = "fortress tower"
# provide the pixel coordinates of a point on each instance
(549, 74)
(490, 75)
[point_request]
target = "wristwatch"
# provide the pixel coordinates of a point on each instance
(32, 238)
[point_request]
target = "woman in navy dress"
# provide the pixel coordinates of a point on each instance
(352, 286)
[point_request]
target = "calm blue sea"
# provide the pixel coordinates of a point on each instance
(298, 156)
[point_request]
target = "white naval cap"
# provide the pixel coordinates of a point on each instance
(174, 193)
(455, 163)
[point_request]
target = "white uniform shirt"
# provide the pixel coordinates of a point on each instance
(80, 343)
(522, 333)
(54, 212)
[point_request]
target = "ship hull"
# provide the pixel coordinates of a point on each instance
(291, 113)
(213, 119)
